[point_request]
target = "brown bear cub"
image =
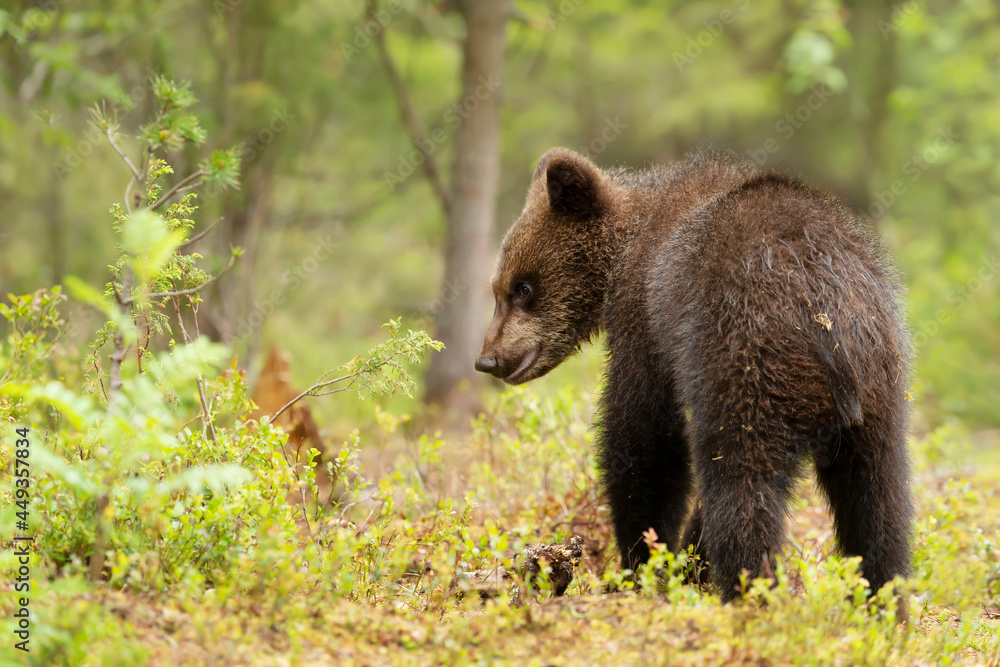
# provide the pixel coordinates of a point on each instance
(752, 323)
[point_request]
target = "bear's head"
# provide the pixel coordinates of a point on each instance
(552, 271)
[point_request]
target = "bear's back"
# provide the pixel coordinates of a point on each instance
(762, 269)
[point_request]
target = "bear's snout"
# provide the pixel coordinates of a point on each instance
(487, 364)
(511, 371)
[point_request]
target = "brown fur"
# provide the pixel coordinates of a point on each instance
(751, 302)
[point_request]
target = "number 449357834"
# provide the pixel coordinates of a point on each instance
(22, 470)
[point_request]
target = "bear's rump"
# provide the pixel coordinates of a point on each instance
(776, 308)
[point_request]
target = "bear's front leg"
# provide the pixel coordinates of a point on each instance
(644, 465)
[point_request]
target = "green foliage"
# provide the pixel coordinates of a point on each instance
(381, 371)
(35, 325)
(209, 535)
(212, 545)
(124, 493)
(173, 126)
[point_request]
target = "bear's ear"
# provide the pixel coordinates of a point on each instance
(574, 184)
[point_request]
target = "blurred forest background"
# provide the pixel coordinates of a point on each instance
(386, 146)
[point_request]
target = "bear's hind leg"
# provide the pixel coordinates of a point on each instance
(745, 480)
(866, 480)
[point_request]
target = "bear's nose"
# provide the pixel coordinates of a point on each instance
(486, 364)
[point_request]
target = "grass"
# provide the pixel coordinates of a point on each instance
(377, 580)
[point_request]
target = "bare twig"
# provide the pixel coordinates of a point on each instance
(115, 381)
(100, 381)
(417, 135)
(140, 348)
(121, 153)
(118, 297)
(333, 391)
(197, 237)
(206, 417)
(305, 512)
(10, 369)
(318, 385)
(145, 160)
(128, 196)
(172, 191)
(206, 410)
(120, 351)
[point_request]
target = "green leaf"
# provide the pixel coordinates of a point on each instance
(222, 168)
(147, 238)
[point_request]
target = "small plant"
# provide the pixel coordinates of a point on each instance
(36, 328)
(378, 373)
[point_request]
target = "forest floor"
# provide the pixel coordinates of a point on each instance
(812, 617)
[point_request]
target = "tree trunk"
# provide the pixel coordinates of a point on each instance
(873, 77)
(468, 258)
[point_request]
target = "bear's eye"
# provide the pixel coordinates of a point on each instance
(523, 295)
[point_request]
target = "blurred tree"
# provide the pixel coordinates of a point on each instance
(470, 201)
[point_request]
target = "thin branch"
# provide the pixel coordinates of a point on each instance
(128, 196)
(170, 193)
(117, 357)
(308, 392)
(145, 160)
(120, 350)
(201, 234)
(140, 349)
(96, 564)
(323, 377)
(190, 290)
(417, 134)
(100, 382)
(118, 297)
(10, 369)
(335, 391)
(206, 418)
(305, 512)
(135, 172)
